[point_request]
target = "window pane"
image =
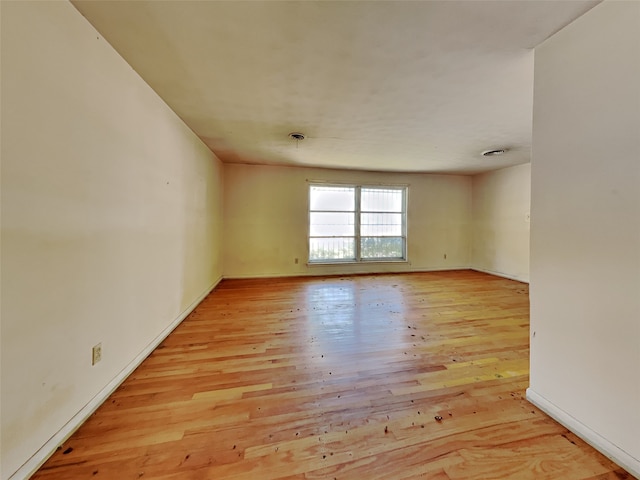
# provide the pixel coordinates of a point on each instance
(332, 249)
(381, 224)
(331, 224)
(385, 247)
(339, 222)
(381, 200)
(332, 198)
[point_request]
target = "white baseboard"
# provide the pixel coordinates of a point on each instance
(437, 269)
(501, 274)
(604, 446)
(265, 275)
(407, 269)
(41, 456)
(311, 273)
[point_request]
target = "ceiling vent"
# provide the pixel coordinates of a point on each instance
(493, 153)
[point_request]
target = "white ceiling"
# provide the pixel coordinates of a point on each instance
(375, 85)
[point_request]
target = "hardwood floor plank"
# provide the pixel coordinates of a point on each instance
(367, 377)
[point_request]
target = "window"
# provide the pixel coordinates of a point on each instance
(357, 223)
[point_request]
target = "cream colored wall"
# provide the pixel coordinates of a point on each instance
(585, 229)
(111, 219)
(501, 202)
(266, 218)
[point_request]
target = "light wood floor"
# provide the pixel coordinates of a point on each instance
(336, 378)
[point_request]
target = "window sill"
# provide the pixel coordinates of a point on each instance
(347, 262)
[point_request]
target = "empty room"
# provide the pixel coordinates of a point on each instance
(320, 240)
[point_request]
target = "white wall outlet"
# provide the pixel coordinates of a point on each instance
(96, 354)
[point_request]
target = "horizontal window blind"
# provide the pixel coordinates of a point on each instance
(356, 223)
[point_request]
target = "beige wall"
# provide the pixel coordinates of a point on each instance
(111, 220)
(501, 202)
(585, 229)
(266, 217)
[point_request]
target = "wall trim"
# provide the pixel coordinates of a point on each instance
(501, 274)
(41, 456)
(334, 274)
(437, 269)
(604, 446)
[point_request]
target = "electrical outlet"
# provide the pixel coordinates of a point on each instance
(96, 354)
(445, 256)
(295, 260)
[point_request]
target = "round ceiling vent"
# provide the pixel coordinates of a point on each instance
(297, 136)
(493, 153)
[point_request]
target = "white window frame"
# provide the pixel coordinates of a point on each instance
(357, 214)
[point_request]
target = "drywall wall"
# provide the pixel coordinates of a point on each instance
(111, 221)
(585, 229)
(266, 218)
(501, 202)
